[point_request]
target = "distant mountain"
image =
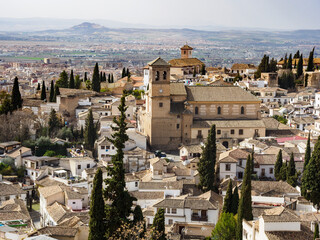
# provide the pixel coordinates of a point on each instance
(88, 27)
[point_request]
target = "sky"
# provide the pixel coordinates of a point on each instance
(257, 14)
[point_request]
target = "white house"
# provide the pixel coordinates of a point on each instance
(77, 165)
(232, 164)
(190, 209)
(10, 191)
(276, 223)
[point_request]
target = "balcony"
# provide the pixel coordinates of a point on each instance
(199, 218)
(200, 136)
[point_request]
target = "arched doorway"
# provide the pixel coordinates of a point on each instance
(225, 144)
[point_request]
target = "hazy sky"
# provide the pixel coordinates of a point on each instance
(272, 14)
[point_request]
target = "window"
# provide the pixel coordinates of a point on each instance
(228, 167)
(240, 162)
(218, 131)
(79, 166)
(168, 210)
(174, 210)
(157, 76)
(170, 222)
(102, 147)
(178, 126)
(199, 134)
(73, 203)
(240, 175)
(136, 184)
(196, 110)
(219, 110)
(164, 75)
(242, 110)
(7, 197)
(271, 170)
(88, 165)
(263, 172)
(160, 104)
(240, 131)
(232, 131)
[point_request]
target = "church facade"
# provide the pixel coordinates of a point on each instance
(177, 114)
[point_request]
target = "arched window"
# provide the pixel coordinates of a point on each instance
(219, 110)
(157, 76)
(196, 110)
(164, 75)
(242, 110)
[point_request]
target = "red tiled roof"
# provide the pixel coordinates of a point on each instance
(282, 140)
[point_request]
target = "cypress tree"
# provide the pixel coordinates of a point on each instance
(85, 77)
(227, 205)
(158, 225)
(297, 54)
(310, 66)
(137, 214)
(56, 93)
(43, 91)
(51, 98)
(81, 132)
(273, 65)
(123, 73)
(316, 231)
(115, 192)
(289, 65)
(245, 204)
(291, 172)
(300, 66)
(90, 131)
(38, 87)
(95, 79)
(71, 81)
(109, 78)
(283, 172)
(54, 123)
(104, 77)
(208, 161)
(285, 63)
(235, 201)
(112, 79)
(307, 154)
(97, 214)
(310, 188)
(203, 70)
(16, 100)
(77, 82)
(128, 74)
(63, 80)
(278, 165)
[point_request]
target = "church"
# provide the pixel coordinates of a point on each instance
(176, 114)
